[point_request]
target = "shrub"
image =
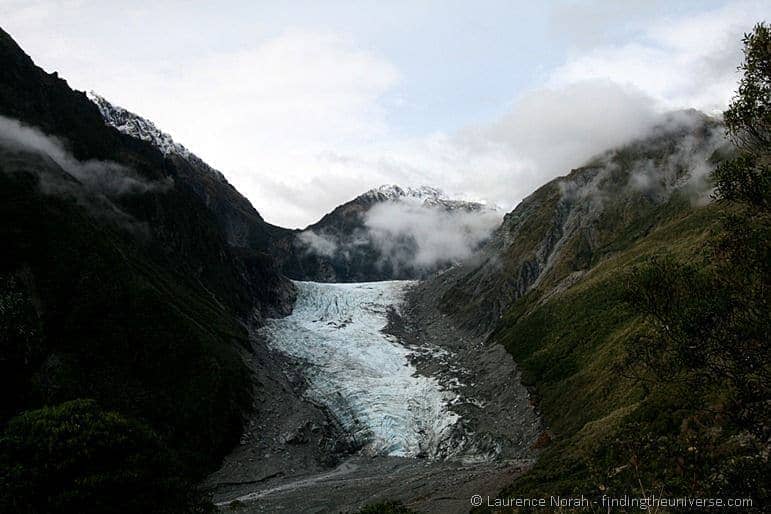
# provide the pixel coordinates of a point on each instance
(77, 457)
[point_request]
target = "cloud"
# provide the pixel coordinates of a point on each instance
(686, 62)
(301, 119)
(103, 177)
(658, 167)
(319, 244)
(411, 236)
(545, 133)
(92, 183)
(417, 236)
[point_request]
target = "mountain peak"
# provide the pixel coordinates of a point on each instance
(394, 192)
(426, 195)
(141, 128)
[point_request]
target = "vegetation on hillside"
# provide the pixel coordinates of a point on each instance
(78, 457)
(653, 369)
(706, 322)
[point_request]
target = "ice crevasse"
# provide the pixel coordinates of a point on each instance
(362, 375)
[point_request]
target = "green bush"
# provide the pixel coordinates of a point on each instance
(77, 457)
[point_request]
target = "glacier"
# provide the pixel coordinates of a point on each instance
(361, 374)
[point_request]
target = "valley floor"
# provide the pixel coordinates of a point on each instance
(426, 415)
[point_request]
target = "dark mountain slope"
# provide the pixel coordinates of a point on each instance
(45, 101)
(238, 219)
(118, 284)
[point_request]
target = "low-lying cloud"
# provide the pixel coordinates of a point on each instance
(422, 237)
(659, 168)
(93, 184)
(105, 177)
(320, 244)
(410, 236)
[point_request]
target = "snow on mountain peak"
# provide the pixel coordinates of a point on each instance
(394, 192)
(141, 128)
(136, 126)
(426, 195)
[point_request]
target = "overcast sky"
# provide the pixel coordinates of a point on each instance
(304, 105)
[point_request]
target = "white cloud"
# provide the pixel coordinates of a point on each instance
(598, 99)
(318, 244)
(410, 235)
(99, 177)
(263, 115)
(95, 185)
(420, 237)
(297, 118)
(544, 134)
(688, 62)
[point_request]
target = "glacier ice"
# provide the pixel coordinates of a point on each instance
(361, 374)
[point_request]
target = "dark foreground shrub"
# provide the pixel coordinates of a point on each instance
(77, 457)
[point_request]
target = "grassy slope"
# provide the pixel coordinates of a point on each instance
(568, 345)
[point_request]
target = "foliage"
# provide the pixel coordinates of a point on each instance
(749, 115)
(744, 180)
(77, 457)
(653, 369)
(706, 322)
(667, 447)
(705, 331)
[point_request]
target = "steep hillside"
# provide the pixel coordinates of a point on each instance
(569, 225)
(571, 347)
(119, 284)
(238, 219)
(552, 287)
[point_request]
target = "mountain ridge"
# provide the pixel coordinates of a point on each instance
(555, 233)
(339, 247)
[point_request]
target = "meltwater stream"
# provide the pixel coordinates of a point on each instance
(362, 375)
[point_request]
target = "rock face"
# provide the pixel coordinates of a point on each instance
(565, 227)
(138, 127)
